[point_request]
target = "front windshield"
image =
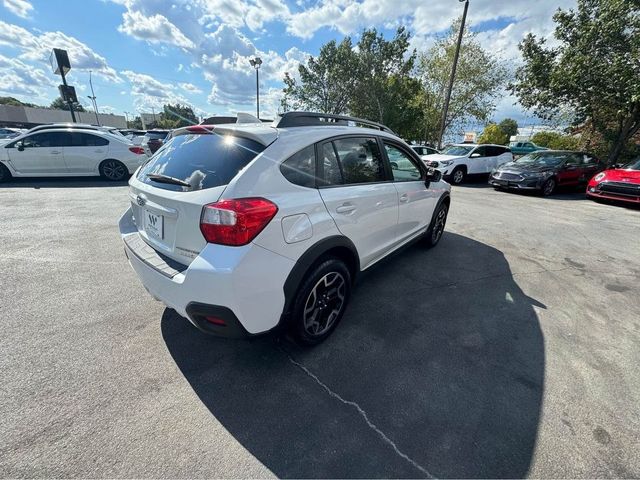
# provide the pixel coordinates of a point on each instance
(457, 150)
(635, 165)
(545, 159)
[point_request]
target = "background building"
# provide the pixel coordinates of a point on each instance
(27, 117)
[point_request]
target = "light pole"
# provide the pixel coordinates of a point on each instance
(93, 99)
(447, 98)
(126, 117)
(255, 63)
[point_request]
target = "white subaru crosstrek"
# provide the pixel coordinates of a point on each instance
(242, 228)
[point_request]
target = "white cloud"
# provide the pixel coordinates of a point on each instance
(19, 78)
(21, 8)
(148, 92)
(153, 29)
(190, 87)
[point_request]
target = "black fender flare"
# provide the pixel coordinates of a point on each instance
(308, 259)
(446, 196)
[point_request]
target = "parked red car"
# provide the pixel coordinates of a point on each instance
(622, 184)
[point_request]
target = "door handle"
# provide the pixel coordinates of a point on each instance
(404, 198)
(55, 152)
(99, 150)
(345, 208)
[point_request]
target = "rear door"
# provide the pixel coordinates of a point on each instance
(166, 214)
(359, 194)
(590, 166)
(571, 170)
(415, 201)
(85, 152)
(43, 154)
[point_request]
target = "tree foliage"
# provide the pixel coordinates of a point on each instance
(556, 141)
(593, 72)
(60, 104)
(493, 134)
(509, 126)
(176, 116)
(479, 80)
(16, 103)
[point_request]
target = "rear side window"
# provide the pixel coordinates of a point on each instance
(87, 140)
(201, 160)
(300, 168)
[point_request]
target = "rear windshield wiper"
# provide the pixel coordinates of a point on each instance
(157, 177)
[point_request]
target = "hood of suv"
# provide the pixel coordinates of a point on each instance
(439, 157)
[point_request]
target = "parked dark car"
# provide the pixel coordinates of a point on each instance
(153, 140)
(546, 170)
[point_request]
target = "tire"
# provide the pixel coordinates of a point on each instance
(113, 170)
(5, 174)
(436, 229)
(458, 176)
(548, 187)
(320, 302)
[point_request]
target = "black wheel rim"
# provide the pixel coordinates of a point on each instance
(113, 170)
(438, 226)
(548, 187)
(458, 176)
(324, 304)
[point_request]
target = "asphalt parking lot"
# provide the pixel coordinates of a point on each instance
(511, 349)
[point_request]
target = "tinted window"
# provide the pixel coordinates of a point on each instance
(457, 150)
(495, 151)
(300, 168)
(360, 160)
(482, 151)
(573, 159)
(331, 172)
(201, 160)
(589, 160)
(46, 139)
(420, 150)
(402, 166)
(156, 136)
(87, 140)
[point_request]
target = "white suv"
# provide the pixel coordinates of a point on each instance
(457, 162)
(242, 228)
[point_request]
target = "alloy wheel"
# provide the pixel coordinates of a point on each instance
(438, 226)
(549, 187)
(324, 304)
(113, 170)
(458, 176)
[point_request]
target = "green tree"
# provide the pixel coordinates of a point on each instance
(493, 134)
(176, 116)
(594, 71)
(60, 104)
(384, 90)
(509, 126)
(556, 141)
(479, 81)
(16, 103)
(326, 81)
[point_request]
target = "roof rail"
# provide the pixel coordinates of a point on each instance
(306, 119)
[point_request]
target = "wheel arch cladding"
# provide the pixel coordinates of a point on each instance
(335, 246)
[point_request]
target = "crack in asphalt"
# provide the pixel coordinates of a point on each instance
(360, 411)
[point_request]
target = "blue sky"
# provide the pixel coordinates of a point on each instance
(144, 53)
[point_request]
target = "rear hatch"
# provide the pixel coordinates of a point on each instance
(192, 170)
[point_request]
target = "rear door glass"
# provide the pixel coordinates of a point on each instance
(201, 160)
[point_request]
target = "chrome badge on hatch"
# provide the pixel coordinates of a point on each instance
(140, 200)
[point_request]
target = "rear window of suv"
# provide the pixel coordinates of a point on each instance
(203, 161)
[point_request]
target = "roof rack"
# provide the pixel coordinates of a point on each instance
(306, 119)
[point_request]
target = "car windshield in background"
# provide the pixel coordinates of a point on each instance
(545, 159)
(635, 165)
(156, 135)
(199, 160)
(457, 150)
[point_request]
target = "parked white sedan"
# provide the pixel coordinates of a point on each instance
(69, 152)
(456, 162)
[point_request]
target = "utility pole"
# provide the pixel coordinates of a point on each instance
(126, 116)
(93, 99)
(447, 99)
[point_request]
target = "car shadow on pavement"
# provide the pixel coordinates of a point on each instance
(437, 369)
(61, 182)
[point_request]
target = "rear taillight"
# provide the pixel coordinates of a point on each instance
(137, 150)
(236, 222)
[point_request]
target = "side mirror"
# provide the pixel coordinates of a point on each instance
(433, 175)
(475, 155)
(20, 146)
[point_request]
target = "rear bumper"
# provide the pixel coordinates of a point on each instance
(244, 286)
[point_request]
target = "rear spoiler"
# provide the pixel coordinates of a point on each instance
(264, 135)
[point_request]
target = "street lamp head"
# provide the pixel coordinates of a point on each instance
(255, 62)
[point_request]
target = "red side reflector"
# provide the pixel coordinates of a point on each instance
(216, 321)
(137, 150)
